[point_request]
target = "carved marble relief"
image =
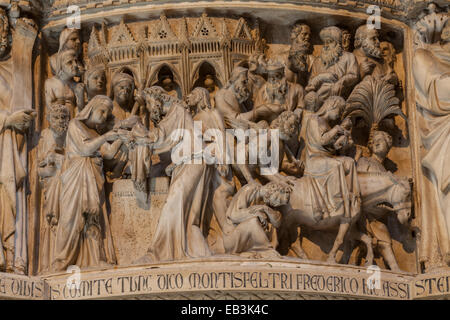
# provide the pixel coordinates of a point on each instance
(431, 65)
(204, 136)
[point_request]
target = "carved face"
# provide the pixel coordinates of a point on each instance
(59, 121)
(371, 44)
(69, 65)
(123, 92)
(277, 199)
(241, 87)
(276, 86)
(380, 145)
(4, 30)
(331, 52)
(346, 40)
(192, 99)
(304, 35)
(97, 82)
(167, 84)
(73, 42)
(334, 114)
(100, 114)
(387, 52)
(154, 107)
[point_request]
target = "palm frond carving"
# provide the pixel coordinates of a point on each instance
(373, 100)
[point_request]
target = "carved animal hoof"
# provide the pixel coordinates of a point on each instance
(331, 259)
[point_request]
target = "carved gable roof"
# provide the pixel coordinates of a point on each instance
(205, 28)
(242, 30)
(122, 36)
(163, 31)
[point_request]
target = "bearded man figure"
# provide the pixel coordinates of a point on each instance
(230, 100)
(50, 160)
(278, 94)
(300, 59)
(369, 55)
(334, 73)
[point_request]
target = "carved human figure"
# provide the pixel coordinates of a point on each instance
(346, 40)
(389, 59)
(277, 95)
(50, 159)
(179, 232)
(170, 86)
(211, 86)
(123, 95)
(216, 149)
(431, 67)
(300, 58)
(249, 217)
(123, 118)
(370, 56)
(16, 117)
(95, 82)
(62, 88)
(333, 177)
(287, 126)
(379, 145)
(83, 235)
(69, 39)
(334, 73)
(255, 80)
(230, 99)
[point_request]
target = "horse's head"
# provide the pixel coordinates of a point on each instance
(401, 200)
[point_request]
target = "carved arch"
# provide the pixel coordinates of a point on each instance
(195, 75)
(154, 71)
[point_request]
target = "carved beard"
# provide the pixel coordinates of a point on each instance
(277, 91)
(242, 91)
(370, 50)
(331, 55)
(156, 115)
(60, 128)
(3, 45)
(297, 56)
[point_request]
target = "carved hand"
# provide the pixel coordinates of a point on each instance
(367, 66)
(111, 135)
(27, 26)
(20, 120)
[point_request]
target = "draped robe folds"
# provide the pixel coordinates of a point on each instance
(179, 232)
(83, 235)
(433, 99)
(331, 181)
(52, 187)
(16, 94)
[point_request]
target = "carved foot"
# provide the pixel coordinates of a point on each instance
(331, 259)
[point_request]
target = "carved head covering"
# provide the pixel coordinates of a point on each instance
(92, 105)
(333, 33)
(120, 77)
(64, 37)
(274, 67)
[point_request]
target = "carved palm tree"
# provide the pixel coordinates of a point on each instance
(373, 100)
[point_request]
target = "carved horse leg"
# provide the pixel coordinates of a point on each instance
(298, 250)
(343, 228)
(367, 240)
